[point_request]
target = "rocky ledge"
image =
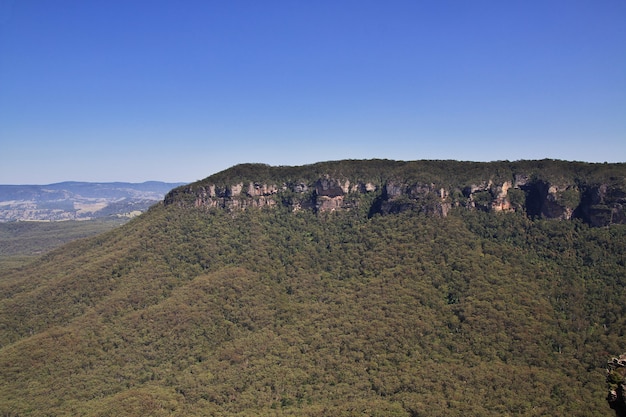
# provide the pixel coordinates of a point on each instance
(616, 381)
(595, 193)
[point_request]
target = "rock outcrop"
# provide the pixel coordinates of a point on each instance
(616, 381)
(541, 189)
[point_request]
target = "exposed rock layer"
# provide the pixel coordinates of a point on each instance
(595, 193)
(616, 380)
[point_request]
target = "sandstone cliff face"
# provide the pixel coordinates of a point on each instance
(603, 204)
(598, 204)
(616, 381)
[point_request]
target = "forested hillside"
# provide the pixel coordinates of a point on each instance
(207, 311)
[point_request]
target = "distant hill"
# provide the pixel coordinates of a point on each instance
(79, 200)
(350, 288)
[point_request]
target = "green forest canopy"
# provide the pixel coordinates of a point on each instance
(188, 312)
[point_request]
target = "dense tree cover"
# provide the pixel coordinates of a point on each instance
(268, 312)
(443, 173)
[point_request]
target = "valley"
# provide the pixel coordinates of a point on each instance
(79, 200)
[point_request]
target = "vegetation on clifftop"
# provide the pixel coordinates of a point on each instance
(594, 193)
(440, 172)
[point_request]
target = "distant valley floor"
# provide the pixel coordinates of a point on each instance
(79, 200)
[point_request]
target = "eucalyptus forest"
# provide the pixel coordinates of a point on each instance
(270, 311)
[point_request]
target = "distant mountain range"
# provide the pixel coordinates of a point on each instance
(79, 200)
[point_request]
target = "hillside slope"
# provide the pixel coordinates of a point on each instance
(269, 311)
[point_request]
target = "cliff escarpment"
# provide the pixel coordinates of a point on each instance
(616, 381)
(594, 193)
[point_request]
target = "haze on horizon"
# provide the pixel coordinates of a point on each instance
(135, 91)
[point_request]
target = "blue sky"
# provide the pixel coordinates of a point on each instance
(178, 90)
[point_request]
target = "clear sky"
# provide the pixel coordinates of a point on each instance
(129, 90)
